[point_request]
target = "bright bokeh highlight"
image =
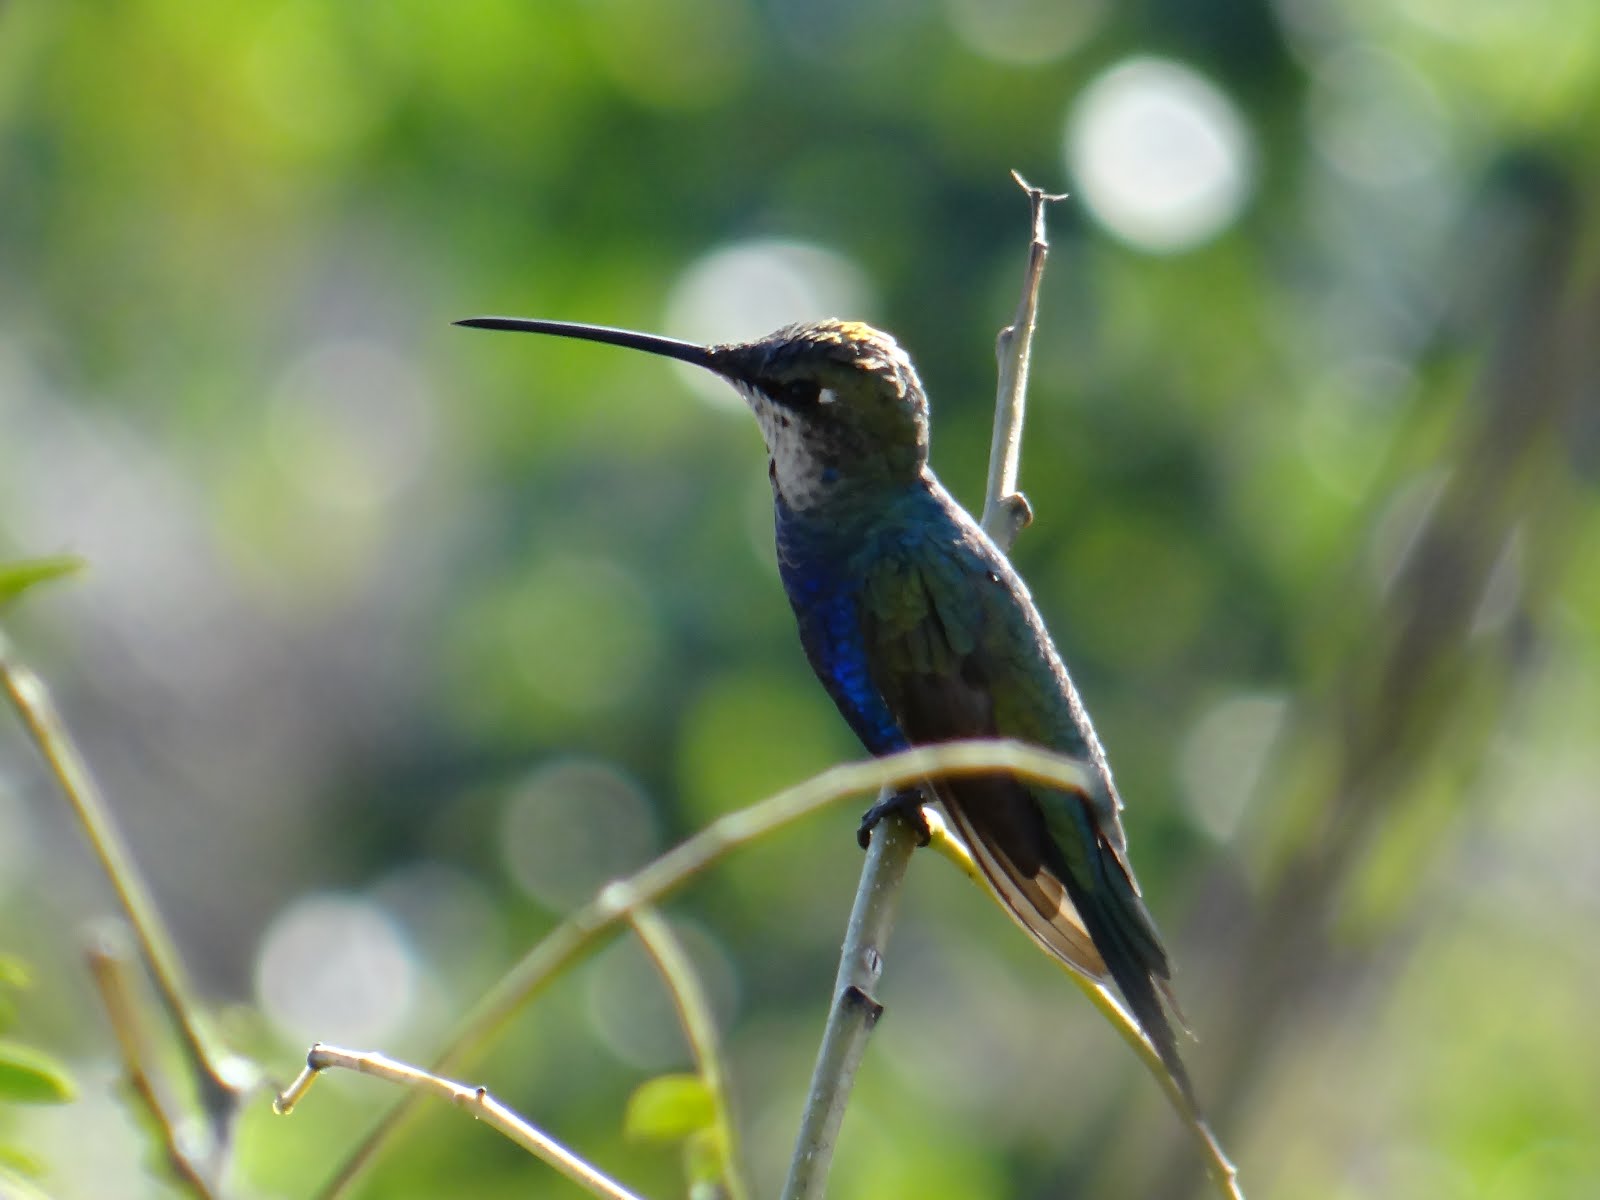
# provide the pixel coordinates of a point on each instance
(573, 826)
(746, 290)
(1162, 155)
(333, 967)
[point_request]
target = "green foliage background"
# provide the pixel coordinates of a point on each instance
(1316, 530)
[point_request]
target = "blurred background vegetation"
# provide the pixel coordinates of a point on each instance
(399, 639)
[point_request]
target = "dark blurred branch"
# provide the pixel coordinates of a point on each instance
(474, 1100)
(222, 1079)
(1422, 679)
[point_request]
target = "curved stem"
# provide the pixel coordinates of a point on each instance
(475, 1100)
(699, 1026)
(582, 931)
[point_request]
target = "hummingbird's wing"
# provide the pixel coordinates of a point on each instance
(956, 649)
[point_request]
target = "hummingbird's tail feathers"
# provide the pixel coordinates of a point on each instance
(1087, 913)
(1123, 932)
(1139, 927)
(1036, 901)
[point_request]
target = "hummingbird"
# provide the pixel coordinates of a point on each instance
(921, 631)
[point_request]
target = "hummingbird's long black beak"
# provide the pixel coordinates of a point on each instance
(689, 352)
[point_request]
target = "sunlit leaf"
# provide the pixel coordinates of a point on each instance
(14, 972)
(16, 1161)
(28, 1076)
(14, 1186)
(18, 577)
(668, 1108)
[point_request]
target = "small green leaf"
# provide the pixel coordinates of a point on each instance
(17, 1161)
(28, 1076)
(668, 1108)
(14, 972)
(16, 1187)
(18, 577)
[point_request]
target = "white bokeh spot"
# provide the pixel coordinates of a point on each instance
(335, 968)
(1221, 759)
(1024, 32)
(572, 826)
(747, 290)
(351, 423)
(1374, 117)
(1161, 155)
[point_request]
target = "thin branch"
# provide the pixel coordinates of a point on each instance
(474, 1100)
(111, 970)
(1005, 512)
(854, 1013)
(222, 1079)
(580, 932)
(700, 1028)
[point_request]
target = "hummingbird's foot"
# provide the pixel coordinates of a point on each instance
(907, 804)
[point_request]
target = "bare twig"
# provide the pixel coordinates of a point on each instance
(474, 1100)
(581, 931)
(854, 1013)
(110, 968)
(222, 1079)
(700, 1028)
(1005, 512)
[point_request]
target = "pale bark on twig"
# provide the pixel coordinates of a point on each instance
(222, 1080)
(475, 1100)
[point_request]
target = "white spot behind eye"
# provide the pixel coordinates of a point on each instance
(826, 396)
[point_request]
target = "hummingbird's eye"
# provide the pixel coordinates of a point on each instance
(800, 393)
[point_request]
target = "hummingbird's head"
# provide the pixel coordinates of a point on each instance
(838, 402)
(839, 405)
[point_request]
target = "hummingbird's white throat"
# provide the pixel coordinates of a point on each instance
(799, 452)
